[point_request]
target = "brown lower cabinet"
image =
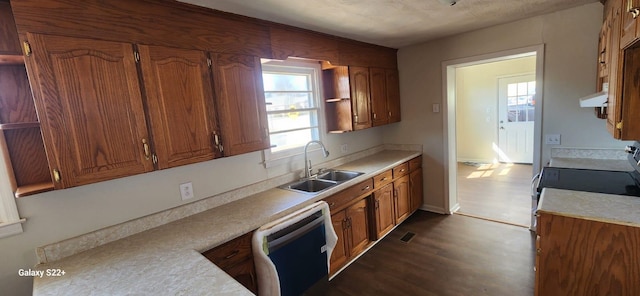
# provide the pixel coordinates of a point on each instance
(402, 199)
(584, 257)
(352, 227)
(383, 209)
(236, 259)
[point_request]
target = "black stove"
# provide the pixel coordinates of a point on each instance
(600, 181)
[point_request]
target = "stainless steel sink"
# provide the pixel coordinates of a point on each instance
(321, 182)
(311, 185)
(338, 175)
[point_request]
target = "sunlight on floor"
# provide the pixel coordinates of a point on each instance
(487, 170)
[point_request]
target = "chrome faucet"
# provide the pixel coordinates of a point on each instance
(307, 162)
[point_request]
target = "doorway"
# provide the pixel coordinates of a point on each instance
(492, 132)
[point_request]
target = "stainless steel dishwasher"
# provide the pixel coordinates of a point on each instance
(292, 253)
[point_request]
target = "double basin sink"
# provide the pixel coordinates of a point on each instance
(322, 181)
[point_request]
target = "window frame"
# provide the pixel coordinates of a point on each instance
(313, 68)
(10, 221)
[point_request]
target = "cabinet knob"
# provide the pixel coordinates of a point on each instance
(365, 188)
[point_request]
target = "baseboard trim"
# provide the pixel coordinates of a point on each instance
(439, 210)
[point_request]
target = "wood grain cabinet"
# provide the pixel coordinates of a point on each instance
(88, 98)
(352, 227)
(20, 136)
(584, 257)
(179, 91)
(350, 218)
(241, 103)
(384, 211)
(385, 96)
(402, 199)
(360, 97)
(630, 30)
(415, 183)
(236, 258)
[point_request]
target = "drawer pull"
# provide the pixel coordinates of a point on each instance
(384, 178)
(232, 254)
(402, 170)
(332, 204)
(365, 188)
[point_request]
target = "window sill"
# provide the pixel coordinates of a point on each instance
(11, 228)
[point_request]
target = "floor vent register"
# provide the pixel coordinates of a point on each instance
(407, 237)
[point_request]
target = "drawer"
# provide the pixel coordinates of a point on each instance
(415, 163)
(342, 198)
(232, 252)
(401, 170)
(382, 179)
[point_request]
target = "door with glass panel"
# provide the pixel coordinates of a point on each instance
(516, 109)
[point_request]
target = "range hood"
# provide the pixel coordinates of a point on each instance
(598, 99)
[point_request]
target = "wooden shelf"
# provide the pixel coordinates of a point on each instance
(337, 100)
(9, 59)
(33, 189)
(21, 125)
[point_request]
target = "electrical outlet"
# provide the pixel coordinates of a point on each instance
(186, 190)
(552, 139)
(344, 148)
(435, 108)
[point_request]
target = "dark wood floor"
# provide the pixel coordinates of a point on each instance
(450, 255)
(499, 192)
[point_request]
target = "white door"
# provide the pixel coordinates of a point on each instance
(516, 109)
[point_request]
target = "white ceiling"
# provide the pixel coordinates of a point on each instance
(393, 23)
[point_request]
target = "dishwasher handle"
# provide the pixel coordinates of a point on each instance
(534, 184)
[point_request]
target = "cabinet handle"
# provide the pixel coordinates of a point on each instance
(377, 204)
(145, 147)
(233, 254)
(216, 141)
(384, 178)
(389, 113)
(56, 175)
(375, 116)
(402, 170)
(332, 204)
(365, 188)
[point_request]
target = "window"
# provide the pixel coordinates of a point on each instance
(520, 101)
(10, 222)
(291, 92)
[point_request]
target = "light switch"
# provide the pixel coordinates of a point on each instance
(435, 108)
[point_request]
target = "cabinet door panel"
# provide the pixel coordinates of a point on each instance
(384, 210)
(359, 226)
(359, 80)
(339, 255)
(180, 100)
(241, 104)
(403, 203)
(393, 95)
(378, 97)
(415, 182)
(88, 100)
(628, 29)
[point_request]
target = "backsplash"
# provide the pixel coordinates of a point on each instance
(69, 247)
(617, 154)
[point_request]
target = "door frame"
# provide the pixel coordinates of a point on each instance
(449, 109)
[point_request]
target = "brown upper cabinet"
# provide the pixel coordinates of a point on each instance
(618, 61)
(360, 97)
(385, 96)
(179, 93)
(88, 99)
(241, 103)
(129, 86)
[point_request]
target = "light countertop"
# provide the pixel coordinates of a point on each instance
(609, 208)
(166, 260)
(591, 164)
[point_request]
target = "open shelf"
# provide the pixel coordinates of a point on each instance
(33, 189)
(10, 59)
(20, 125)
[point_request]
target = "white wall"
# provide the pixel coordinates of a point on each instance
(570, 38)
(477, 106)
(58, 215)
